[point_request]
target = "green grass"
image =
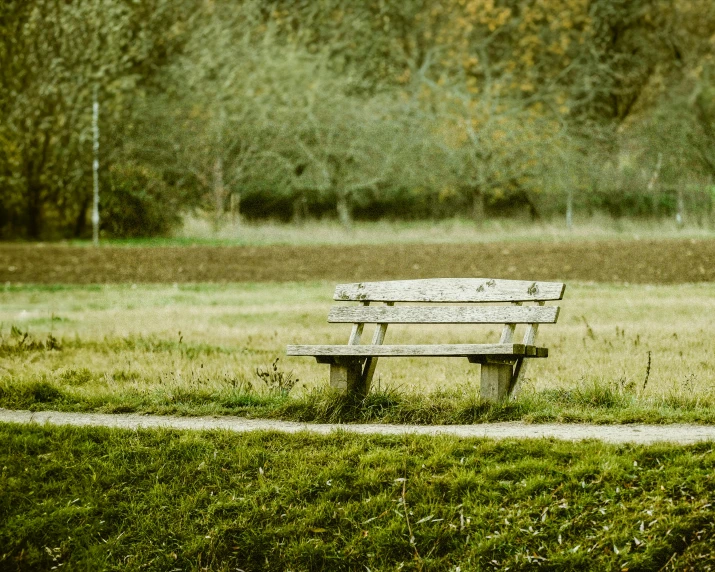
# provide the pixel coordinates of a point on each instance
(100, 499)
(599, 403)
(196, 349)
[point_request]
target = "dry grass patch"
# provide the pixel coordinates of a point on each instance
(455, 231)
(151, 345)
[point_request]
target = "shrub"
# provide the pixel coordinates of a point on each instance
(138, 202)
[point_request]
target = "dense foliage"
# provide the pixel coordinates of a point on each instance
(418, 108)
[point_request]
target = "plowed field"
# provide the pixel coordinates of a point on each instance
(645, 261)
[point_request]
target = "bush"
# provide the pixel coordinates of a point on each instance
(137, 203)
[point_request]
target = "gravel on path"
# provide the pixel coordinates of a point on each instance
(639, 434)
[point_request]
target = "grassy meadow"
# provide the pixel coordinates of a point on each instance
(91, 499)
(619, 353)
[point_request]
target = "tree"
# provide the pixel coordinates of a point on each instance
(346, 145)
(267, 116)
(221, 120)
(53, 55)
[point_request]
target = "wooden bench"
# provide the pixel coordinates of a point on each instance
(352, 366)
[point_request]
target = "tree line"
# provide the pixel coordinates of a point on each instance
(384, 108)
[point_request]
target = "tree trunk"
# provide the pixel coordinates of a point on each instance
(235, 207)
(33, 199)
(652, 185)
(81, 221)
(95, 168)
(477, 206)
(300, 209)
(219, 191)
(569, 209)
(345, 214)
(34, 210)
(680, 212)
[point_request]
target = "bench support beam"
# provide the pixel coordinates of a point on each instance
(496, 379)
(371, 363)
(520, 367)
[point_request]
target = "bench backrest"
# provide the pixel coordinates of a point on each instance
(448, 290)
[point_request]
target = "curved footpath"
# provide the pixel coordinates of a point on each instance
(638, 434)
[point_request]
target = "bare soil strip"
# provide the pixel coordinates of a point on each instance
(632, 261)
(638, 434)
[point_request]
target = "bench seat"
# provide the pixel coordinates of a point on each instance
(496, 351)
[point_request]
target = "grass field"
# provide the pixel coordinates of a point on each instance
(454, 231)
(98, 499)
(90, 499)
(618, 354)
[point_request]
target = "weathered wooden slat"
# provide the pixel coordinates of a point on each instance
(436, 350)
(445, 314)
(451, 290)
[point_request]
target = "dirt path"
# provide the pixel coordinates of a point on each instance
(638, 434)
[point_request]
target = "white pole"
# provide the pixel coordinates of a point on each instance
(95, 168)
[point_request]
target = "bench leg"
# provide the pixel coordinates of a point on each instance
(519, 368)
(496, 379)
(346, 376)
